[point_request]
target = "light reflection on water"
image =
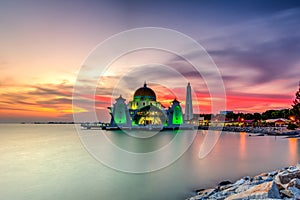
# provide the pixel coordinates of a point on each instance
(293, 149)
(49, 162)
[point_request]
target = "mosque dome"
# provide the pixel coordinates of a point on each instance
(144, 93)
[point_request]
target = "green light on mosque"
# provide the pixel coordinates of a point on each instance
(177, 115)
(120, 115)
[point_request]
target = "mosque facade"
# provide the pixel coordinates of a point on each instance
(145, 111)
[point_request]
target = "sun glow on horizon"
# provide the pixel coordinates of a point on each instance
(44, 46)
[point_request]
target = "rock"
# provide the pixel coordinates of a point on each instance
(286, 193)
(221, 195)
(243, 188)
(295, 191)
(206, 192)
(298, 165)
(264, 174)
(279, 184)
(199, 191)
(226, 187)
(261, 191)
(285, 177)
(223, 183)
(257, 178)
(294, 183)
(257, 182)
(292, 169)
(273, 173)
(239, 182)
(280, 187)
(230, 189)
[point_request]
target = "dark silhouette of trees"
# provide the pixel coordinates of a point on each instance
(267, 114)
(257, 116)
(274, 114)
(296, 105)
(248, 116)
(231, 116)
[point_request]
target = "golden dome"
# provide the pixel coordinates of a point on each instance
(144, 93)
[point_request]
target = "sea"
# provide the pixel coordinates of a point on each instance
(46, 162)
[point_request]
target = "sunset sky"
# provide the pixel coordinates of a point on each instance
(44, 44)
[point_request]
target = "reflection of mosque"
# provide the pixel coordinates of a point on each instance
(145, 111)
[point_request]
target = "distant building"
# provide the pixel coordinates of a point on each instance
(278, 122)
(225, 112)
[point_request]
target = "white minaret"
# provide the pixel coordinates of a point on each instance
(188, 115)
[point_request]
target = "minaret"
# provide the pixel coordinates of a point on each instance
(119, 114)
(188, 115)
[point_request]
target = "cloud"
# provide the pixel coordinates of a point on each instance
(50, 101)
(268, 46)
(52, 89)
(55, 101)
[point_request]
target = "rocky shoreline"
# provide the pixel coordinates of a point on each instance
(279, 184)
(257, 130)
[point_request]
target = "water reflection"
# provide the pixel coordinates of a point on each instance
(242, 150)
(58, 163)
(293, 149)
(209, 143)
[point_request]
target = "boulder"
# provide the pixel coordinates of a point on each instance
(280, 187)
(221, 195)
(230, 189)
(243, 188)
(257, 182)
(292, 169)
(198, 191)
(294, 183)
(223, 183)
(261, 191)
(257, 178)
(240, 182)
(227, 187)
(273, 173)
(285, 177)
(298, 165)
(295, 191)
(204, 194)
(286, 194)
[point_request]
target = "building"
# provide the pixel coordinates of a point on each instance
(145, 111)
(225, 112)
(188, 115)
(278, 122)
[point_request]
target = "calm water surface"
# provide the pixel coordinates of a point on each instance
(49, 162)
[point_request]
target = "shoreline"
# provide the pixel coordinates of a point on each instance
(283, 183)
(259, 131)
(278, 131)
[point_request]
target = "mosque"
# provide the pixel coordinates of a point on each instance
(144, 111)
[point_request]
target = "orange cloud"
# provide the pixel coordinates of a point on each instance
(53, 102)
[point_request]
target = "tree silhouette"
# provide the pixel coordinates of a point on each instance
(296, 104)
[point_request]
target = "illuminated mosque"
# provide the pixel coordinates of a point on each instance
(145, 111)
